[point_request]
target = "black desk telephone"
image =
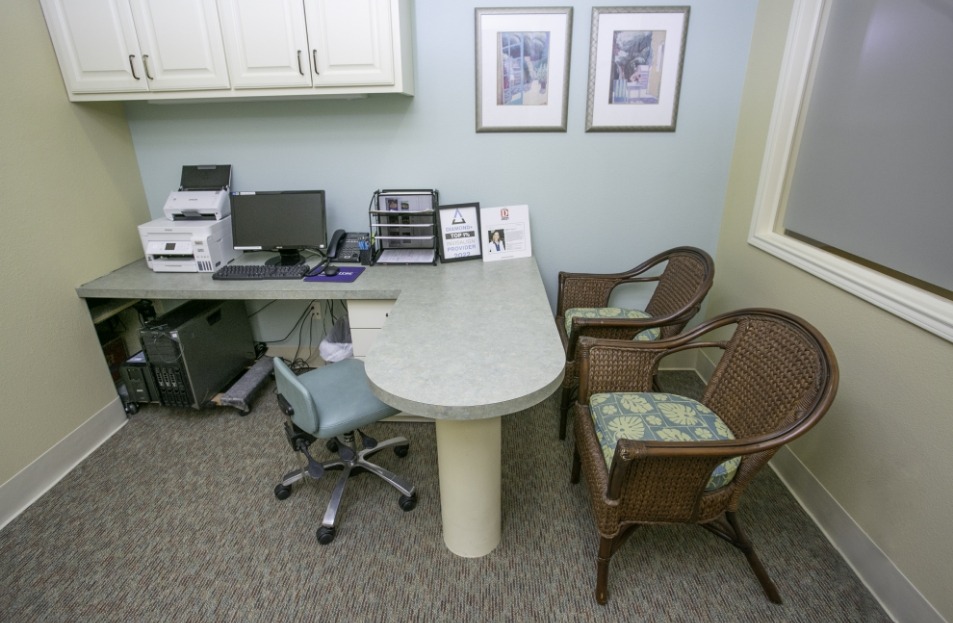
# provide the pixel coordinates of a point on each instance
(344, 247)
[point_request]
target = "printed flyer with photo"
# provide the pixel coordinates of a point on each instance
(505, 233)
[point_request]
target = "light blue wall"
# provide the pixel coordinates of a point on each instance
(598, 201)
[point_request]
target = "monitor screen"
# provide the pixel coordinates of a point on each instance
(286, 221)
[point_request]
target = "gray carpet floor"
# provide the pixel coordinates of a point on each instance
(173, 519)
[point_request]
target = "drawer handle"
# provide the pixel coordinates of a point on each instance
(145, 65)
(314, 56)
(132, 67)
(300, 70)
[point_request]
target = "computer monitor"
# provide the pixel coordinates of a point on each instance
(287, 221)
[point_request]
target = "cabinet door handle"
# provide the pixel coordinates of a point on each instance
(145, 65)
(314, 57)
(300, 70)
(132, 67)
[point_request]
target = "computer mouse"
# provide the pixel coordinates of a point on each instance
(330, 271)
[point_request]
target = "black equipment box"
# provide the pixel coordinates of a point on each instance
(136, 374)
(195, 351)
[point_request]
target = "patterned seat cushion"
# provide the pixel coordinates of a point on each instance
(659, 417)
(612, 312)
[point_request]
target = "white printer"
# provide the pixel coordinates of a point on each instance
(196, 233)
(187, 246)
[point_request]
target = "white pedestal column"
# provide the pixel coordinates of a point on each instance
(469, 463)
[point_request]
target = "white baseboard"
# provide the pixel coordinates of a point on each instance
(18, 493)
(901, 599)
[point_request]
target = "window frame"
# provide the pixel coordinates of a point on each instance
(804, 40)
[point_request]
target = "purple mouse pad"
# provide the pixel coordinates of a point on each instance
(346, 274)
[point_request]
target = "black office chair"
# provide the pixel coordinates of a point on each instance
(331, 402)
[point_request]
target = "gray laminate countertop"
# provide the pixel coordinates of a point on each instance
(465, 340)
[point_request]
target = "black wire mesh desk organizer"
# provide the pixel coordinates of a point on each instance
(403, 226)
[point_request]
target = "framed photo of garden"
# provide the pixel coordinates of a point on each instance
(635, 68)
(522, 69)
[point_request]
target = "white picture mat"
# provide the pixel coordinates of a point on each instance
(604, 114)
(551, 114)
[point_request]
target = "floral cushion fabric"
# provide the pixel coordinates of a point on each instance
(659, 417)
(612, 312)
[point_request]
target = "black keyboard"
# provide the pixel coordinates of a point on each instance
(260, 272)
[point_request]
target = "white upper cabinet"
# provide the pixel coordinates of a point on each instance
(320, 43)
(203, 49)
(266, 42)
(351, 41)
(181, 44)
(116, 46)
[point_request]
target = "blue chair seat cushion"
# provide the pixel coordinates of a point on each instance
(612, 312)
(659, 417)
(343, 398)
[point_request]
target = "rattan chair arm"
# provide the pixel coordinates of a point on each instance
(614, 365)
(633, 449)
(618, 328)
(591, 290)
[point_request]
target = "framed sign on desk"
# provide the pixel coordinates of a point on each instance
(459, 227)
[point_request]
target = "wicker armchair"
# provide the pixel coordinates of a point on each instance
(652, 458)
(583, 300)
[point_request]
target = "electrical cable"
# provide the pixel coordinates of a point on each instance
(297, 322)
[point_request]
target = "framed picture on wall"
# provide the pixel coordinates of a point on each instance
(635, 68)
(522, 69)
(459, 227)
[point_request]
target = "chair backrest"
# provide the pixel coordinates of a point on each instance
(683, 285)
(777, 371)
(305, 414)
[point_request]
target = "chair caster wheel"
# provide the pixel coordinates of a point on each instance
(325, 535)
(408, 503)
(331, 445)
(401, 451)
(282, 492)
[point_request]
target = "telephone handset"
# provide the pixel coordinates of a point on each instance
(345, 246)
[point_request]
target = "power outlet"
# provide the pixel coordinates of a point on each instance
(315, 312)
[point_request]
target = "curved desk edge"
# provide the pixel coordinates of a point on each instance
(476, 341)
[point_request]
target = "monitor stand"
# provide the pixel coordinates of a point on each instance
(286, 257)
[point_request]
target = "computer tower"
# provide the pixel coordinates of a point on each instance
(196, 349)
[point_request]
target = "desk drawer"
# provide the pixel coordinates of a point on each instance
(367, 318)
(368, 313)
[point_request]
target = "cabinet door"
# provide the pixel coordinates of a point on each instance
(96, 45)
(351, 42)
(266, 43)
(181, 44)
